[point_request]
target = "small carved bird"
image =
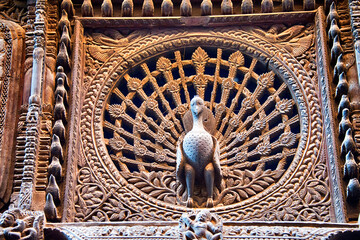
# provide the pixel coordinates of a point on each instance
(339, 68)
(60, 89)
(148, 8)
(334, 31)
(287, 5)
(56, 148)
(353, 190)
(107, 8)
(345, 123)
(62, 58)
(344, 103)
(342, 87)
(55, 168)
(65, 38)
(206, 7)
(247, 7)
(185, 8)
(226, 7)
(267, 6)
(64, 21)
(60, 73)
(348, 143)
(50, 209)
(87, 9)
(351, 169)
(68, 6)
(333, 14)
(336, 50)
(127, 8)
(167, 8)
(59, 130)
(53, 189)
(59, 109)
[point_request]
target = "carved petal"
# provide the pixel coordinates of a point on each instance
(287, 139)
(200, 58)
(134, 84)
(116, 110)
(237, 59)
(117, 143)
(266, 79)
(163, 64)
(284, 106)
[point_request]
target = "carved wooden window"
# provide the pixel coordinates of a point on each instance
(133, 94)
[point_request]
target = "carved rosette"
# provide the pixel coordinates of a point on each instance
(110, 186)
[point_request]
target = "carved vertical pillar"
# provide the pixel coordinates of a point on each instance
(11, 45)
(34, 114)
(73, 153)
(37, 74)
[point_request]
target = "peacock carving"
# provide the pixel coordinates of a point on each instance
(198, 156)
(249, 123)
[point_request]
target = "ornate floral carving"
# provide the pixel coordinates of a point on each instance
(170, 230)
(262, 168)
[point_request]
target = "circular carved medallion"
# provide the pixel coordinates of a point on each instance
(138, 101)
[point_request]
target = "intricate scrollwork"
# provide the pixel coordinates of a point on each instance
(257, 111)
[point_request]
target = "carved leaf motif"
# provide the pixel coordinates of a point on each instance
(134, 84)
(287, 139)
(117, 143)
(247, 103)
(200, 58)
(284, 105)
(163, 64)
(266, 79)
(229, 199)
(237, 59)
(116, 111)
(241, 136)
(241, 157)
(263, 148)
(259, 124)
(156, 185)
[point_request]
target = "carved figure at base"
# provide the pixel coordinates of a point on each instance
(198, 156)
(204, 226)
(14, 228)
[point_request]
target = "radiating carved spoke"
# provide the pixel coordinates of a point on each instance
(256, 122)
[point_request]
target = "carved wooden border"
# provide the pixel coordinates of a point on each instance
(169, 230)
(13, 36)
(329, 126)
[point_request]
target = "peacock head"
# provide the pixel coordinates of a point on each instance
(197, 105)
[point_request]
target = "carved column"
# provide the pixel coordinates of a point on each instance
(34, 114)
(11, 45)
